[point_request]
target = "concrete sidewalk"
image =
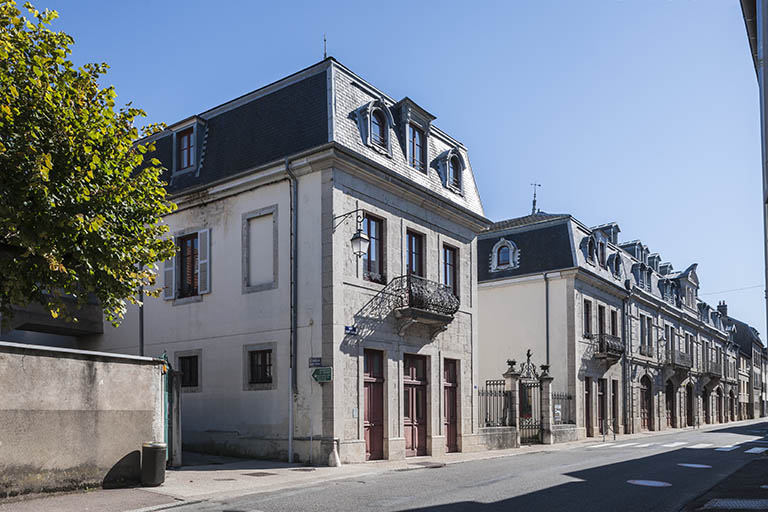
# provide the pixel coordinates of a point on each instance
(211, 477)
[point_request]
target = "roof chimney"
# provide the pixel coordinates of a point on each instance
(722, 308)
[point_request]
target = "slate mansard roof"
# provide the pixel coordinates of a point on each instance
(304, 111)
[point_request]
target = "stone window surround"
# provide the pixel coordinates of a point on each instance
(176, 301)
(514, 255)
(364, 114)
(261, 386)
(195, 352)
(245, 246)
(444, 161)
(195, 150)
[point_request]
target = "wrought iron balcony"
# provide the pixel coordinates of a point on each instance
(679, 359)
(609, 347)
(713, 369)
(420, 301)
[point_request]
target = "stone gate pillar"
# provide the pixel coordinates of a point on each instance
(547, 417)
(512, 390)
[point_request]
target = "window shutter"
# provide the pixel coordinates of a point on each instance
(204, 261)
(169, 276)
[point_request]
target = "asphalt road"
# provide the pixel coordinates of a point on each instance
(657, 473)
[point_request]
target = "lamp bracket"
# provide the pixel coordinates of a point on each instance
(340, 219)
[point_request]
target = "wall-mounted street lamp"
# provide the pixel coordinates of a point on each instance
(360, 241)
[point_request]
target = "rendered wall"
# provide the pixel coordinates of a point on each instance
(73, 419)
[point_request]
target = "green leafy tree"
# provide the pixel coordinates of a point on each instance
(80, 208)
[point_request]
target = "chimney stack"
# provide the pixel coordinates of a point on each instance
(722, 308)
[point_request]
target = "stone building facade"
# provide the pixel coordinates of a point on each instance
(630, 345)
(272, 189)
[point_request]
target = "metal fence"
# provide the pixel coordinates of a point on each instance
(562, 408)
(492, 404)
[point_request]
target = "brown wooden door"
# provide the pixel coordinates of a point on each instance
(669, 402)
(645, 404)
(601, 401)
(373, 417)
(588, 406)
(415, 405)
(450, 418)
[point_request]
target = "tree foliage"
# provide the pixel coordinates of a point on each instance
(80, 209)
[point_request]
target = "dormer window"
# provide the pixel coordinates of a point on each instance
(591, 249)
(454, 172)
(416, 148)
(185, 149)
(601, 254)
(616, 266)
(504, 256)
(378, 129)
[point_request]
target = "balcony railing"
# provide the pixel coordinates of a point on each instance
(420, 301)
(679, 359)
(713, 368)
(420, 293)
(609, 346)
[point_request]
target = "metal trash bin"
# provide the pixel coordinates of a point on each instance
(153, 464)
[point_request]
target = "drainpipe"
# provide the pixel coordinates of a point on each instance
(141, 321)
(546, 309)
(294, 303)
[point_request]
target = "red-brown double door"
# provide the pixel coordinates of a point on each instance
(373, 417)
(415, 404)
(450, 418)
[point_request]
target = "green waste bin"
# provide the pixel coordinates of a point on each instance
(152, 464)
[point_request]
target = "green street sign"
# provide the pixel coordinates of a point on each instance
(323, 374)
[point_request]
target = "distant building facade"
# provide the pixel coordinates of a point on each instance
(630, 345)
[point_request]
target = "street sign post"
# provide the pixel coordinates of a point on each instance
(323, 374)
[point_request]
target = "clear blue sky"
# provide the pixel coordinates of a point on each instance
(639, 112)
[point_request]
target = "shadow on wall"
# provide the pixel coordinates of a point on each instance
(126, 472)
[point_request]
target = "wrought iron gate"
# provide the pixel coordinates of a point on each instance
(530, 403)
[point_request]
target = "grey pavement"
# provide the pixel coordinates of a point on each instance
(667, 470)
(651, 473)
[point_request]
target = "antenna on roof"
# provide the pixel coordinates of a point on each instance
(534, 185)
(325, 48)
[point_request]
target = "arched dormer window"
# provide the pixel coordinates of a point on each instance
(451, 167)
(615, 265)
(375, 120)
(601, 253)
(454, 172)
(378, 129)
(504, 256)
(591, 249)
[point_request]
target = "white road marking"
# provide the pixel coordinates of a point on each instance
(646, 445)
(726, 448)
(674, 445)
(696, 466)
(604, 445)
(757, 450)
(701, 445)
(649, 483)
(624, 445)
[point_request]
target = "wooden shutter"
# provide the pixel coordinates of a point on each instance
(204, 261)
(169, 276)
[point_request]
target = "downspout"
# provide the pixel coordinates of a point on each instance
(546, 309)
(294, 184)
